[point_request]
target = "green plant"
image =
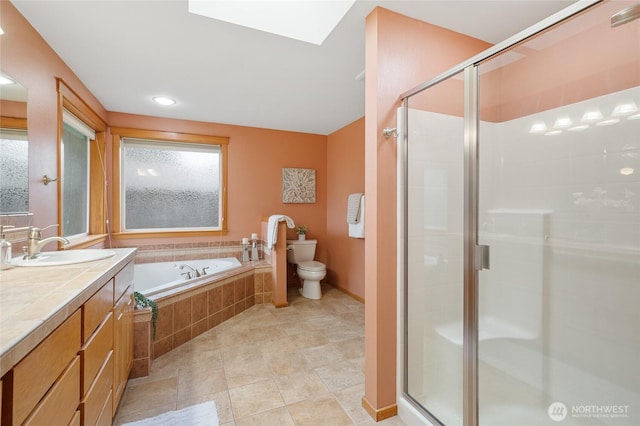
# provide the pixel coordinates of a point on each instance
(143, 302)
(301, 230)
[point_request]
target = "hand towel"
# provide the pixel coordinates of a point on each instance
(272, 228)
(353, 208)
(357, 230)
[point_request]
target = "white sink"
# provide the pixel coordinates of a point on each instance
(67, 257)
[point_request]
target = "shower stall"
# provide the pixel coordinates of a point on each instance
(519, 217)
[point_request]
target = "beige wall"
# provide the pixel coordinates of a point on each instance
(400, 53)
(345, 175)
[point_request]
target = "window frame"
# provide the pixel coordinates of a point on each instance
(73, 124)
(120, 133)
(70, 101)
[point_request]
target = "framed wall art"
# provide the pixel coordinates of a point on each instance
(298, 185)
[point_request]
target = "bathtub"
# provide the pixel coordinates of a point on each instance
(154, 278)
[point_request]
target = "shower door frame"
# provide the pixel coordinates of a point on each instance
(475, 256)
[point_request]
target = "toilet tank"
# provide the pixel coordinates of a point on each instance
(300, 251)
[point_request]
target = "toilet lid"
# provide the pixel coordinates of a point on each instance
(311, 265)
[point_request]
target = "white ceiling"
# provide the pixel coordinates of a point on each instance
(125, 52)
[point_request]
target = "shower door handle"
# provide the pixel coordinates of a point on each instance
(482, 257)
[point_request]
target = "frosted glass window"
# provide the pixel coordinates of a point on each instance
(169, 185)
(14, 167)
(75, 182)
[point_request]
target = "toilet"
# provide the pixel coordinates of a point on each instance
(301, 252)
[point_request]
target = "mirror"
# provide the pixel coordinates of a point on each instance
(14, 147)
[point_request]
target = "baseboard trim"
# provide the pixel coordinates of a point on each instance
(379, 414)
(347, 292)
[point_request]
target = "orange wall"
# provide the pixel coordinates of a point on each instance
(400, 53)
(256, 156)
(564, 72)
(256, 159)
(345, 175)
(29, 59)
(13, 109)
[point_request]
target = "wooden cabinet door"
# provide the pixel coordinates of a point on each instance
(123, 345)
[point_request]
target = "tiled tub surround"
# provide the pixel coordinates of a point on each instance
(154, 253)
(142, 338)
(194, 309)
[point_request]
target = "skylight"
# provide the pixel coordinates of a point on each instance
(307, 20)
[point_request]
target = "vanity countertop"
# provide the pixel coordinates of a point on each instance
(34, 301)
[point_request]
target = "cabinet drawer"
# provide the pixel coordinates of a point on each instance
(104, 419)
(123, 279)
(61, 402)
(95, 351)
(95, 309)
(34, 375)
(92, 404)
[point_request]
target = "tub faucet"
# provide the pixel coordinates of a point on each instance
(194, 271)
(35, 241)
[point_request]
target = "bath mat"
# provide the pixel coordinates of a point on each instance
(204, 414)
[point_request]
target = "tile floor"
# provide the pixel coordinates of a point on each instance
(299, 365)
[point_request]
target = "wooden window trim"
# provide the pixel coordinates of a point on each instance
(68, 99)
(13, 123)
(119, 133)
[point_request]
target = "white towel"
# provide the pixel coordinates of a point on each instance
(357, 230)
(272, 228)
(353, 208)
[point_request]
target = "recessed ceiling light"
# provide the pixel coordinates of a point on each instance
(311, 21)
(539, 127)
(626, 171)
(625, 108)
(593, 115)
(553, 132)
(163, 100)
(4, 80)
(563, 122)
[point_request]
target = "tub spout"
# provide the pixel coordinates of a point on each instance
(195, 272)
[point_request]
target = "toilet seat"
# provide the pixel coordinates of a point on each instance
(311, 266)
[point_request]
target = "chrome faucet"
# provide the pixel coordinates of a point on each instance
(35, 241)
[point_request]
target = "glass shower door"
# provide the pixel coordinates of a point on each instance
(434, 293)
(559, 206)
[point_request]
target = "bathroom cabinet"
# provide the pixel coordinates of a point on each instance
(123, 341)
(97, 354)
(42, 377)
(77, 374)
